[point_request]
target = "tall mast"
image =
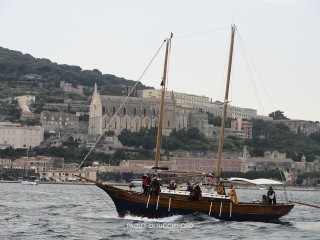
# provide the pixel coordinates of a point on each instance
(224, 117)
(163, 85)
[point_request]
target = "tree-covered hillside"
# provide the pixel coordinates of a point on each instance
(14, 65)
(277, 136)
(268, 136)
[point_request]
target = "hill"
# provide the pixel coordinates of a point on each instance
(22, 74)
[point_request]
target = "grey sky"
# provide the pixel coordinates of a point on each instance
(120, 37)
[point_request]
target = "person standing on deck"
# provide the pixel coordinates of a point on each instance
(271, 197)
(233, 194)
(173, 185)
(221, 190)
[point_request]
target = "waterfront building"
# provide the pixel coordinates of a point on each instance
(5, 163)
(271, 160)
(68, 174)
(39, 163)
(207, 165)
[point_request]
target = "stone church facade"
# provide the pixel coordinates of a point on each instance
(113, 113)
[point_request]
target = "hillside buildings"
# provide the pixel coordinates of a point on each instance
(241, 128)
(19, 136)
(59, 121)
(300, 126)
(203, 103)
(182, 111)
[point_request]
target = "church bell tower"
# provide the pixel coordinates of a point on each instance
(95, 114)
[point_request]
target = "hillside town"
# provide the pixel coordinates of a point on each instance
(108, 113)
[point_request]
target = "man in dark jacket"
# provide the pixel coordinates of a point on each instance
(271, 197)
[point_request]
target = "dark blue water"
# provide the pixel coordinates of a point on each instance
(48, 211)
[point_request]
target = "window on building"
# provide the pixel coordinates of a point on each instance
(144, 112)
(124, 111)
(103, 110)
(134, 111)
(154, 112)
(113, 110)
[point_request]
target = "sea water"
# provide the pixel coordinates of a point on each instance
(59, 211)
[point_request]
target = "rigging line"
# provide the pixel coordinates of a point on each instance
(99, 196)
(198, 33)
(143, 73)
(254, 66)
(251, 77)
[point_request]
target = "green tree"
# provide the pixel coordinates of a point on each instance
(315, 137)
(278, 115)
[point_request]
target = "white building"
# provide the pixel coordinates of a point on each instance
(19, 136)
(68, 174)
(204, 103)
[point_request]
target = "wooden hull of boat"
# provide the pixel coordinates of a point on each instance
(138, 204)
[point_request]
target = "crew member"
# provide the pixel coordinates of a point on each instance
(145, 183)
(221, 190)
(173, 185)
(271, 196)
(233, 194)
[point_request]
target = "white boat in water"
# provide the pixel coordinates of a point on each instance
(29, 183)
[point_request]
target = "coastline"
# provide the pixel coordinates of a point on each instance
(288, 188)
(63, 183)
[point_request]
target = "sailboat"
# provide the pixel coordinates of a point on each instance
(175, 202)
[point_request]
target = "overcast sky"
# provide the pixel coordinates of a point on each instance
(281, 38)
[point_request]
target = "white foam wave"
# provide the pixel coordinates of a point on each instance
(144, 219)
